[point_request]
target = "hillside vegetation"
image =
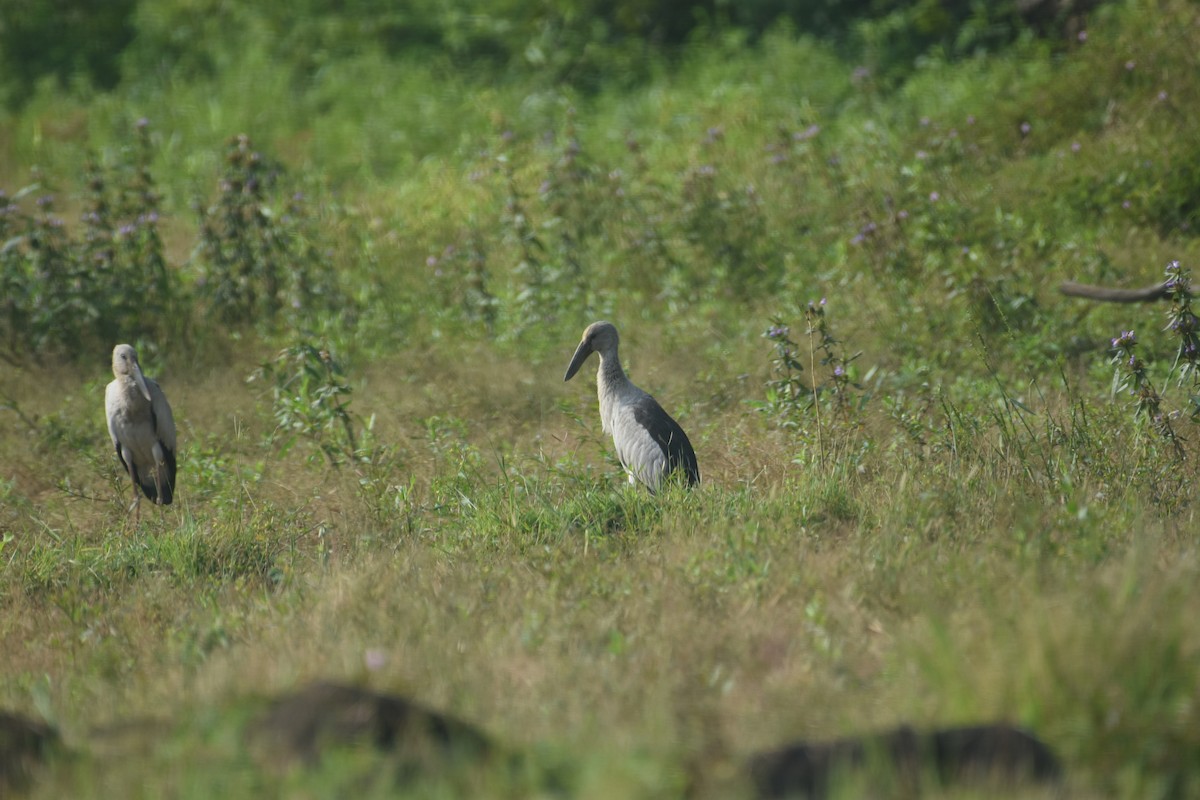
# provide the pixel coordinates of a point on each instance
(358, 249)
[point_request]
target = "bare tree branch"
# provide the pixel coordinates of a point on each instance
(1103, 293)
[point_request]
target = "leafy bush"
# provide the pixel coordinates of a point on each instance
(68, 289)
(311, 399)
(831, 400)
(256, 256)
(66, 292)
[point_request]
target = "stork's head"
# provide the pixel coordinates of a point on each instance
(600, 337)
(125, 364)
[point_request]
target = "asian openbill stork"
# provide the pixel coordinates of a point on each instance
(649, 443)
(142, 429)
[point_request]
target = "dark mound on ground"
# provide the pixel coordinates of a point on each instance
(302, 725)
(24, 745)
(994, 753)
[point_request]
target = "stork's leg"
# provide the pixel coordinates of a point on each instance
(137, 501)
(159, 465)
(158, 498)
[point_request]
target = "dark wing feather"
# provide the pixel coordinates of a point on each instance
(164, 429)
(132, 470)
(169, 484)
(666, 431)
(147, 484)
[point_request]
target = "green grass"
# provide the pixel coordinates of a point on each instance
(973, 525)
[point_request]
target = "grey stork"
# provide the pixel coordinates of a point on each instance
(142, 429)
(649, 443)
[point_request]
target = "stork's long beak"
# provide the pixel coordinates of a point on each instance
(141, 381)
(581, 353)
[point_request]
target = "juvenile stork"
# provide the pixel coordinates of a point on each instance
(649, 443)
(142, 429)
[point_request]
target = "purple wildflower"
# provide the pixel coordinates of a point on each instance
(1125, 340)
(777, 332)
(374, 659)
(807, 133)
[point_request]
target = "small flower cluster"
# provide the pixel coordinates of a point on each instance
(865, 232)
(1134, 378)
(1182, 320)
(787, 395)
(832, 357)
(791, 143)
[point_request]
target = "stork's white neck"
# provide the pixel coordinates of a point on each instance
(609, 372)
(613, 388)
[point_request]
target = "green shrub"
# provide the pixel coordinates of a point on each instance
(67, 290)
(256, 257)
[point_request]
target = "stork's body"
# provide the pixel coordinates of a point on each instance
(142, 428)
(650, 444)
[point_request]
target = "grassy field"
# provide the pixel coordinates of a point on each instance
(361, 314)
